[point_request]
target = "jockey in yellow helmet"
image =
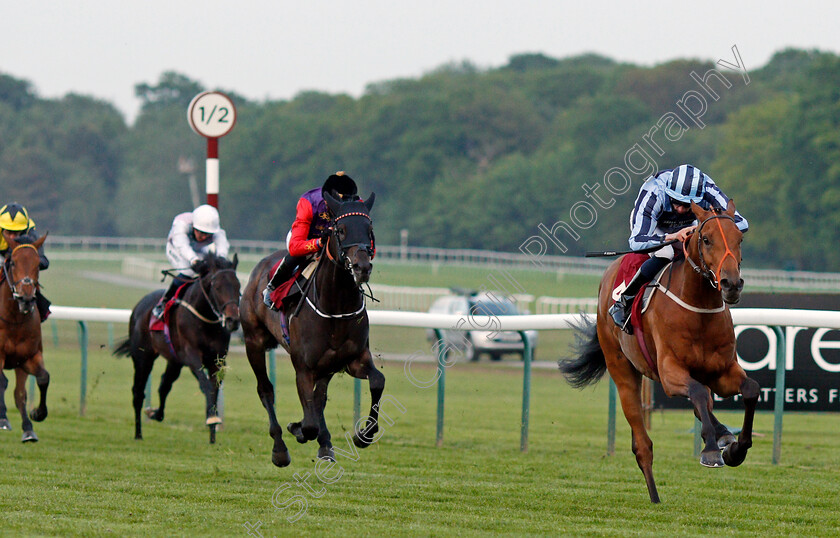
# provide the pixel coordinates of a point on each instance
(15, 222)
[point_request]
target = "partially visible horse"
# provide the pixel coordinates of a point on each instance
(328, 333)
(20, 331)
(690, 339)
(197, 336)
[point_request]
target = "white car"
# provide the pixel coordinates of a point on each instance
(478, 340)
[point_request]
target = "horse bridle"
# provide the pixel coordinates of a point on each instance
(218, 311)
(342, 249)
(25, 280)
(712, 276)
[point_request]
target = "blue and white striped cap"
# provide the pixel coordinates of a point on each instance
(687, 184)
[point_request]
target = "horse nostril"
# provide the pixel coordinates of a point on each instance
(740, 283)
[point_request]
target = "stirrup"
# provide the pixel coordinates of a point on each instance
(620, 312)
(157, 311)
(267, 298)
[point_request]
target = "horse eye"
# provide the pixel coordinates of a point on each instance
(706, 240)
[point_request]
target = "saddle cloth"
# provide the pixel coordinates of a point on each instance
(630, 264)
(156, 324)
(288, 289)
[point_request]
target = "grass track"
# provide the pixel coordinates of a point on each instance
(88, 476)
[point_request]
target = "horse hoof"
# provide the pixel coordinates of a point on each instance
(295, 429)
(29, 437)
(37, 415)
(5, 425)
(732, 456)
(711, 459)
(212, 420)
(360, 442)
(281, 459)
(326, 453)
(725, 441)
(154, 414)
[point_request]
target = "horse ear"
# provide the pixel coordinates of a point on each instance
(698, 211)
(369, 201)
(235, 259)
(37, 244)
(332, 203)
(730, 208)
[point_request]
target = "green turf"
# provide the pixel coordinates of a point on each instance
(87, 476)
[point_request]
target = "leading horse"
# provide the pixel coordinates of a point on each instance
(328, 332)
(197, 337)
(21, 349)
(690, 340)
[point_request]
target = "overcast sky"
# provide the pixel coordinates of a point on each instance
(274, 49)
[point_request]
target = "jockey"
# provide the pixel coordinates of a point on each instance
(310, 229)
(663, 213)
(15, 222)
(192, 236)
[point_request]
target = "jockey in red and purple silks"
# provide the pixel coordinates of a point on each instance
(310, 229)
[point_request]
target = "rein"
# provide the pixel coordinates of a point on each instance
(712, 276)
(217, 311)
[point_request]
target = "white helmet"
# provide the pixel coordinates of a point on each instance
(206, 219)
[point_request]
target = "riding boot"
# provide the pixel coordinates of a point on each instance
(284, 272)
(43, 305)
(620, 311)
(157, 311)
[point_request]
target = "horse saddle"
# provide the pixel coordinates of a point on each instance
(630, 265)
(156, 324)
(288, 292)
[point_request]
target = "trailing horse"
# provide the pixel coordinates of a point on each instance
(688, 344)
(21, 349)
(328, 330)
(195, 334)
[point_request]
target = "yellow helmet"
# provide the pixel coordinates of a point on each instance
(13, 217)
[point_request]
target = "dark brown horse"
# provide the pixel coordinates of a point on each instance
(327, 334)
(691, 343)
(199, 335)
(20, 331)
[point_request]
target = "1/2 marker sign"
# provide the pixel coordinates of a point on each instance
(211, 114)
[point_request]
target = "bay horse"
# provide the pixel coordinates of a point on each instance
(328, 330)
(21, 348)
(199, 330)
(691, 342)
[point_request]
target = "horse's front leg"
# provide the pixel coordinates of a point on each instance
(307, 429)
(214, 370)
(325, 449)
(734, 381)
(5, 425)
(42, 378)
(20, 401)
(363, 368)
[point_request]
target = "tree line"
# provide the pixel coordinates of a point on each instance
(461, 157)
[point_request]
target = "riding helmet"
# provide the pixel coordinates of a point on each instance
(205, 219)
(687, 184)
(340, 186)
(13, 217)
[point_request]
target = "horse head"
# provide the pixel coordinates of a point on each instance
(718, 245)
(221, 288)
(353, 244)
(21, 268)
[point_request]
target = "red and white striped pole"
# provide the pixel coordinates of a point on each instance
(212, 115)
(212, 180)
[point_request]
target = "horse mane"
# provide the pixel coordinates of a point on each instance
(26, 239)
(212, 261)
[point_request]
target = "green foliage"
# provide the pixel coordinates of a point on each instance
(461, 157)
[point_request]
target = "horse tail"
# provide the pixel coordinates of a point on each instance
(589, 363)
(123, 349)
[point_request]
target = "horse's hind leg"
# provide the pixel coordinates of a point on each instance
(173, 370)
(265, 390)
(628, 381)
(363, 368)
(5, 425)
(20, 401)
(142, 368)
